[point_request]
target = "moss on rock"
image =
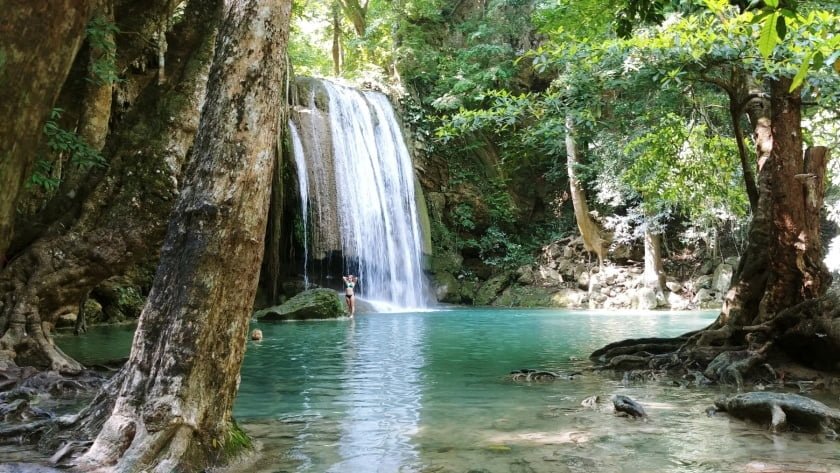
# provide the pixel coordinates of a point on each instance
(488, 291)
(308, 305)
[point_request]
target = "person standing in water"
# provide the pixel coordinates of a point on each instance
(349, 297)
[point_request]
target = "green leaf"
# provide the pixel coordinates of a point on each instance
(799, 78)
(819, 60)
(772, 3)
(769, 37)
(781, 27)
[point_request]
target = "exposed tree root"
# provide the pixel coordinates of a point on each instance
(806, 334)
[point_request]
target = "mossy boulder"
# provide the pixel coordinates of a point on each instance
(524, 296)
(446, 261)
(447, 288)
(308, 305)
(491, 289)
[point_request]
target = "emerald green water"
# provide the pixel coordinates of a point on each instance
(427, 392)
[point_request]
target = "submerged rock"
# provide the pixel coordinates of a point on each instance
(591, 402)
(780, 410)
(537, 375)
(308, 305)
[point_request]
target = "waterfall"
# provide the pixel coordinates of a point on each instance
(360, 184)
(303, 188)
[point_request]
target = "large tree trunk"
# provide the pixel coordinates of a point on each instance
(589, 231)
(773, 306)
(191, 337)
(39, 41)
(782, 264)
(124, 219)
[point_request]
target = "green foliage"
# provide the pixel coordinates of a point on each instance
(63, 143)
(681, 165)
(462, 217)
(499, 249)
(237, 440)
(100, 35)
(42, 176)
(68, 143)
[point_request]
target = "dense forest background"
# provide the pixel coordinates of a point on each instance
(633, 124)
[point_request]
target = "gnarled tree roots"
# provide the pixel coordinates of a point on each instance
(800, 342)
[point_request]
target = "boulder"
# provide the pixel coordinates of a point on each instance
(674, 286)
(549, 276)
(646, 298)
(568, 297)
(308, 305)
(467, 291)
(678, 302)
(525, 275)
(703, 295)
(628, 406)
(722, 278)
(449, 262)
(703, 282)
(492, 288)
(447, 288)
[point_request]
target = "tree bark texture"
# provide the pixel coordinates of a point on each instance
(176, 392)
(38, 41)
(589, 231)
(782, 265)
(124, 219)
(93, 108)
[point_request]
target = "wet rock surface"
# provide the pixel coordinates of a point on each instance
(529, 375)
(624, 404)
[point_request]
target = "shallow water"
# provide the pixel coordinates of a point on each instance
(427, 392)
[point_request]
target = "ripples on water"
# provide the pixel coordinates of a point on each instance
(426, 392)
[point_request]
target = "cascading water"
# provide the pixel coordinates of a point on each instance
(303, 188)
(362, 192)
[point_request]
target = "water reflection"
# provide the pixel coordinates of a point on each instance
(383, 398)
(427, 392)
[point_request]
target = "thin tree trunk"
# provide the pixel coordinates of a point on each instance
(357, 13)
(124, 219)
(654, 272)
(746, 167)
(191, 337)
(336, 40)
(589, 231)
(39, 41)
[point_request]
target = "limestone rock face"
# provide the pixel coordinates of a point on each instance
(308, 305)
(722, 278)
